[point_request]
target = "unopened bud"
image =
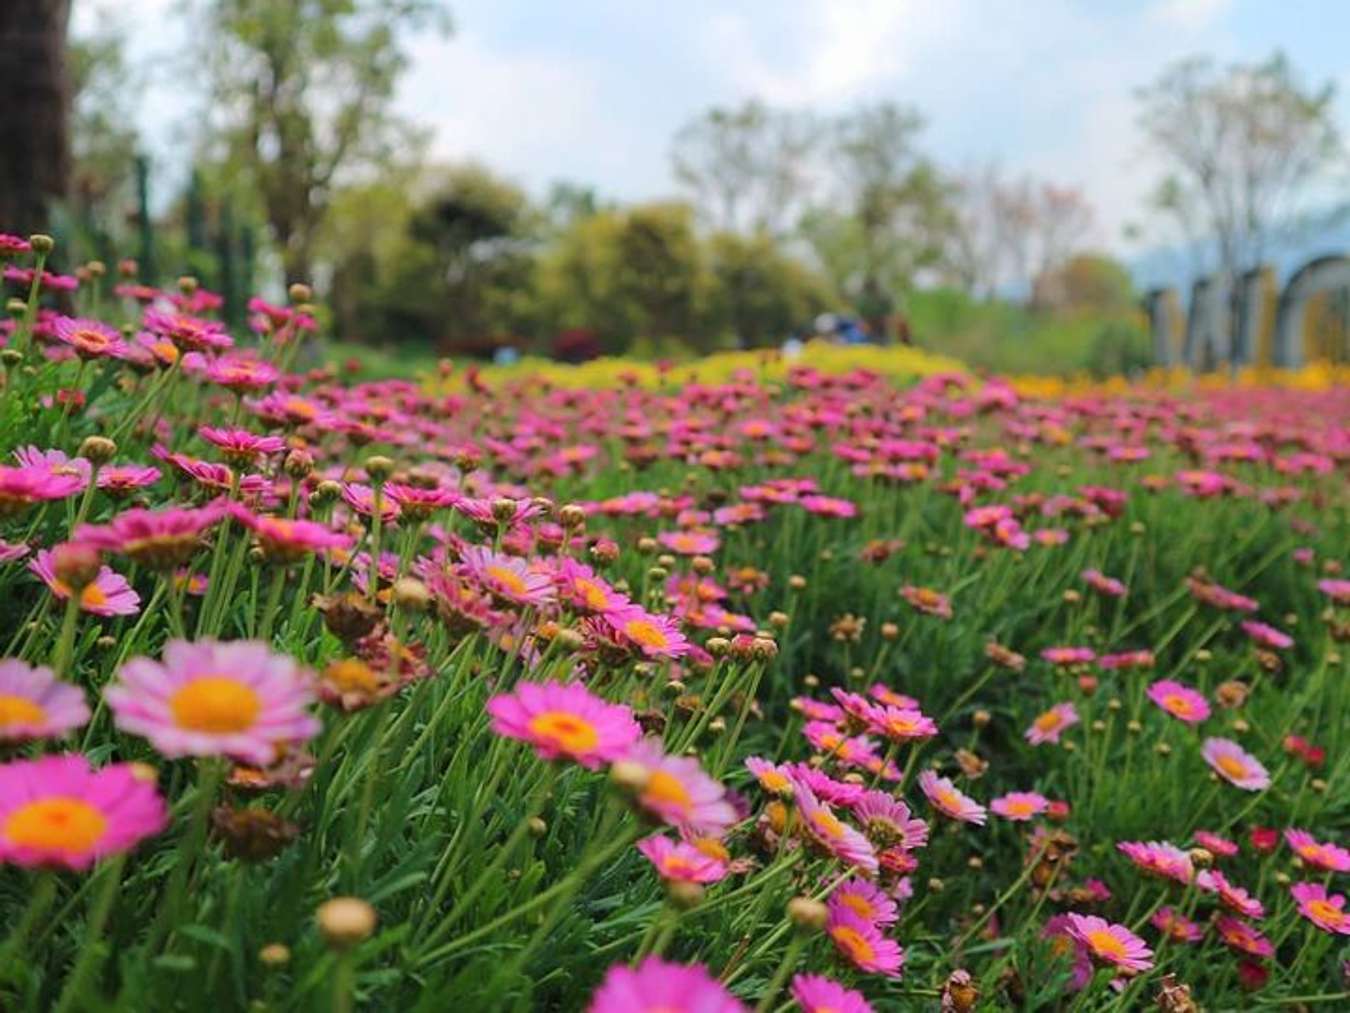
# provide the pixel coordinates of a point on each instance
(572, 516)
(298, 464)
(300, 292)
(41, 243)
(76, 564)
(537, 827)
(629, 777)
(97, 450)
(274, 955)
(379, 467)
(807, 914)
(411, 593)
(684, 895)
(345, 921)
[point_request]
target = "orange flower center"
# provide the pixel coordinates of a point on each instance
(1048, 721)
(828, 823)
(216, 704)
(568, 732)
(664, 788)
(58, 822)
(92, 597)
(773, 781)
(352, 676)
(1105, 945)
(858, 903)
(508, 579)
(948, 799)
(19, 710)
(1020, 807)
(853, 943)
(1326, 911)
(1232, 766)
(1177, 704)
(592, 594)
(645, 633)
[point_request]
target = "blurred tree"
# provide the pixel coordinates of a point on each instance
(995, 219)
(894, 215)
(760, 294)
(748, 168)
(302, 93)
(34, 130)
(1090, 282)
(1247, 144)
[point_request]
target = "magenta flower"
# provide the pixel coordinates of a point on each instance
(815, 993)
(160, 539)
(1058, 930)
(681, 862)
(647, 633)
(1019, 806)
(1235, 765)
(565, 720)
(57, 812)
(508, 579)
(1265, 635)
(1159, 858)
(888, 821)
(948, 800)
(34, 704)
(1104, 585)
(1176, 926)
(1111, 944)
(1068, 655)
(1335, 588)
(1233, 897)
(91, 339)
(1323, 909)
(866, 900)
(679, 793)
(122, 480)
(928, 601)
(284, 540)
(1216, 845)
(863, 944)
(209, 698)
(831, 834)
(772, 778)
(1243, 937)
(900, 725)
(657, 986)
(1182, 702)
(239, 446)
(1126, 659)
(21, 488)
(1049, 724)
(690, 543)
(1328, 857)
(108, 595)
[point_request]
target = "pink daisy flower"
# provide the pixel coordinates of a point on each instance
(124, 479)
(1337, 589)
(1049, 724)
(928, 601)
(1323, 909)
(1182, 702)
(284, 540)
(1126, 659)
(946, 799)
(888, 821)
(832, 834)
(361, 498)
(508, 579)
(239, 446)
(91, 339)
(1019, 806)
(565, 720)
(1243, 937)
(1159, 858)
(885, 695)
(1220, 597)
(690, 543)
(34, 704)
(657, 986)
(817, 710)
(1068, 655)
(1328, 857)
(1265, 635)
(829, 506)
(1233, 897)
(57, 812)
(108, 595)
(587, 592)
(1235, 765)
(161, 539)
(1104, 585)
(866, 900)
(775, 779)
(1111, 944)
(209, 698)
(900, 725)
(863, 945)
(417, 503)
(1176, 926)
(824, 787)
(678, 792)
(648, 633)
(20, 488)
(680, 861)
(1063, 942)
(1216, 845)
(11, 552)
(815, 993)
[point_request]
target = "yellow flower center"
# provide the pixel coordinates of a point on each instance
(1232, 766)
(216, 704)
(858, 903)
(1105, 945)
(352, 676)
(645, 633)
(1177, 704)
(948, 799)
(828, 823)
(568, 732)
(773, 781)
(1020, 807)
(592, 594)
(19, 710)
(91, 339)
(508, 579)
(713, 848)
(664, 788)
(852, 942)
(69, 824)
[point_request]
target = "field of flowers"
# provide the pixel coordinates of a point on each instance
(809, 689)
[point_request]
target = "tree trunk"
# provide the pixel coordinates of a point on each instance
(34, 126)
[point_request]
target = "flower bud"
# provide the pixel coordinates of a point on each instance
(298, 464)
(345, 921)
(274, 955)
(41, 243)
(411, 593)
(718, 647)
(300, 292)
(188, 285)
(379, 467)
(76, 564)
(807, 914)
(1201, 858)
(324, 493)
(629, 777)
(981, 718)
(537, 827)
(97, 450)
(647, 546)
(572, 516)
(797, 582)
(684, 895)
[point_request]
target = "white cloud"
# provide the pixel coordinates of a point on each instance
(1189, 14)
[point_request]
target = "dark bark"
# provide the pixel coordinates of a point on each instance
(34, 119)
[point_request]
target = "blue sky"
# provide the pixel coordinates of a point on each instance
(593, 90)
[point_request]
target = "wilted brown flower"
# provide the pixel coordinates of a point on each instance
(252, 835)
